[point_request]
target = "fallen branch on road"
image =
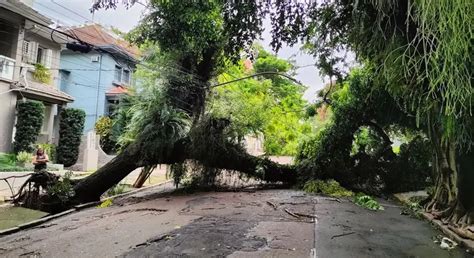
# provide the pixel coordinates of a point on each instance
(306, 215)
(333, 199)
(345, 234)
(272, 204)
(291, 213)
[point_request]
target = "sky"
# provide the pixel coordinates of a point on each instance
(76, 12)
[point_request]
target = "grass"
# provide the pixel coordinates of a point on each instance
(7, 161)
(14, 216)
(21, 169)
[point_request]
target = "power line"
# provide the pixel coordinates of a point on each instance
(52, 10)
(258, 74)
(72, 11)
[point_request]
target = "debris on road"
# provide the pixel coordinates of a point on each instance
(272, 204)
(344, 234)
(447, 244)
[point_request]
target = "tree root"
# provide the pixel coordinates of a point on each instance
(462, 232)
(456, 218)
(33, 193)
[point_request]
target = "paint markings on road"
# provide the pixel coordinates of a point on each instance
(313, 253)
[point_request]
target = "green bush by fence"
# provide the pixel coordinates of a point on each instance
(70, 131)
(49, 149)
(29, 120)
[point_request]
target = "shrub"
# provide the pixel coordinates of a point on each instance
(22, 158)
(411, 170)
(49, 149)
(29, 120)
(7, 160)
(71, 125)
(329, 187)
(103, 128)
(62, 190)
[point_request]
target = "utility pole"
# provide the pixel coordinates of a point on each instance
(98, 88)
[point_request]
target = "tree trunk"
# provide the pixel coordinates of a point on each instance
(92, 187)
(144, 175)
(445, 171)
(462, 216)
(230, 158)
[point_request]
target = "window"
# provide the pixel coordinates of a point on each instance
(112, 106)
(118, 73)
(39, 55)
(34, 54)
(126, 76)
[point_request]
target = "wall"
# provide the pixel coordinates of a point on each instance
(7, 116)
(81, 83)
(8, 98)
(47, 133)
(55, 58)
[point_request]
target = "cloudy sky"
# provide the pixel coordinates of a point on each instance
(76, 12)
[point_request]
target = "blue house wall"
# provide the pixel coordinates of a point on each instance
(80, 78)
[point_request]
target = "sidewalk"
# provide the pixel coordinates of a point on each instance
(158, 176)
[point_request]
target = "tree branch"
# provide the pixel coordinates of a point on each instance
(380, 131)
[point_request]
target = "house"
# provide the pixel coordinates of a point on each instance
(28, 45)
(97, 78)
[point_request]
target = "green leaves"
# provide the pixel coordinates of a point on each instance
(42, 74)
(269, 104)
(329, 187)
(71, 125)
(367, 202)
(29, 121)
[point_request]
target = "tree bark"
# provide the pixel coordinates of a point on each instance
(462, 215)
(92, 187)
(445, 172)
(143, 176)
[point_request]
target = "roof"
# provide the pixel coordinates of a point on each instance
(24, 10)
(97, 35)
(117, 91)
(43, 91)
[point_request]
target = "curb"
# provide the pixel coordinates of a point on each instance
(75, 208)
(465, 243)
(135, 191)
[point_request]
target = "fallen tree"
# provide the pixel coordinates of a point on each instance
(211, 149)
(169, 125)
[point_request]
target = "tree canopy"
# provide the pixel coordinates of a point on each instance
(268, 104)
(416, 73)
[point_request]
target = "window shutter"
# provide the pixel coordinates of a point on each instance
(25, 51)
(32, 52)
(47, 58)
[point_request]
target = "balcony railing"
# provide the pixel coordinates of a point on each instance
(7, 66)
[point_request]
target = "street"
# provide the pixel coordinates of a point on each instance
(261, 223)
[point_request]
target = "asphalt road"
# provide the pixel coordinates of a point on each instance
(264, 223)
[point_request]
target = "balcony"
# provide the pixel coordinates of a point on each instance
(7, 66)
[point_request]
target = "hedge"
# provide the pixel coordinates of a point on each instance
(30, 116)
(71, 125)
